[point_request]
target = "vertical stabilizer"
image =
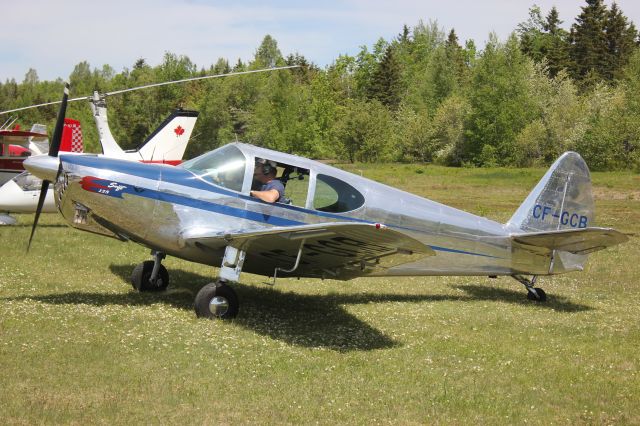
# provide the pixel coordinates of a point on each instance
(39, 145)
(168, 143)
(72, 136)
(561, 200)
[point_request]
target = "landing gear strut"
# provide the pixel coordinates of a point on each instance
(151, 275)
(533, 293)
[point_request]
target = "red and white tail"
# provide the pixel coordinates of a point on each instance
(168, 142)
(72, 136)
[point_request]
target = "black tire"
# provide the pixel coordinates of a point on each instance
(225, 306)
(141, 274)
(542, 296)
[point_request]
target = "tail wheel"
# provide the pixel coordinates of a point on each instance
(216, 300)
(140, 277)
(541, 297)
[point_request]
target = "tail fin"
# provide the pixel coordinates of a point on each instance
(39, 144)
(72, 136)
(168, 143)
(556, 220)
(561, 200)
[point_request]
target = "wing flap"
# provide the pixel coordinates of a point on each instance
(332, 249)
(577, 241)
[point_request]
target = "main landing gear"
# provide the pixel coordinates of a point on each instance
(218, 300)
(533, 293)
(215, 300)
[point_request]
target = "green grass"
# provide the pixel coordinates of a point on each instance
(77, 345)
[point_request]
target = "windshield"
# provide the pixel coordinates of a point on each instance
(28, 182)
(224, 167)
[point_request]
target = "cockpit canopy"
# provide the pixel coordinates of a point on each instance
(231, 168)
(224, 167)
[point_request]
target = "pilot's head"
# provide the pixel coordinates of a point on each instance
(265, 168)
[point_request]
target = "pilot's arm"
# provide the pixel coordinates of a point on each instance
(270, 195)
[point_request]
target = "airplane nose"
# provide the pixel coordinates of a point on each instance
(43, 166)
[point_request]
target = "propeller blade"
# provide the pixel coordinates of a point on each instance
(53, 152)
(43, 194)
(57, 133)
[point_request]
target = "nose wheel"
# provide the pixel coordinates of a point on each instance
(538, 296)
(150, 275)
(216, 300)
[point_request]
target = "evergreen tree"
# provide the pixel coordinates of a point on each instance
(141, 63)
(455, 56)
(239, 66)
(589, 51)
(367, 64)
(221, 67)
(385, 82)
(305, 70)
(556, 47)
(621, 41)
(544, 39)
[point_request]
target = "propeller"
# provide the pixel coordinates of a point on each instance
(53, 152)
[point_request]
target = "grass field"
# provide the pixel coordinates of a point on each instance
(78, 345)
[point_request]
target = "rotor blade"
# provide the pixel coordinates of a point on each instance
(200, 78)
(57, 133)
(43, 194)
(44, 104)
(155, 85)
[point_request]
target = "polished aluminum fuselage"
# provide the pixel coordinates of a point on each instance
(159, 206)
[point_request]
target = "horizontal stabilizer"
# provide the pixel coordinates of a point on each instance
(577, 241)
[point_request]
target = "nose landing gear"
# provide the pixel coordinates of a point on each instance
(151, 275)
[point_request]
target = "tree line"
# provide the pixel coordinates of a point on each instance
(421, 96)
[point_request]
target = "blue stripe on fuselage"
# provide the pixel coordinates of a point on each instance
(183, 177)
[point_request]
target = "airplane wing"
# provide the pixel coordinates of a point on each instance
(20, 137)
(577, 241)
(334, 250)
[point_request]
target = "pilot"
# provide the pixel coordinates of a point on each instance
(269, 188)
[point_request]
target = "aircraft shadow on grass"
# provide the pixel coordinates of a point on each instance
(304, 320)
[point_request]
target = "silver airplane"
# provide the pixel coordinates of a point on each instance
(332, 224)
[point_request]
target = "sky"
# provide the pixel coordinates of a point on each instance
(53, 36)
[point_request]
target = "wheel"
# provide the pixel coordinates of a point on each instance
(542, 296)
(216, 300)
(141, 274)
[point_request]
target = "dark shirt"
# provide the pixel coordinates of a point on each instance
(277, 185)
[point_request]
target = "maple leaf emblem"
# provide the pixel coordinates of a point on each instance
(179, 130)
